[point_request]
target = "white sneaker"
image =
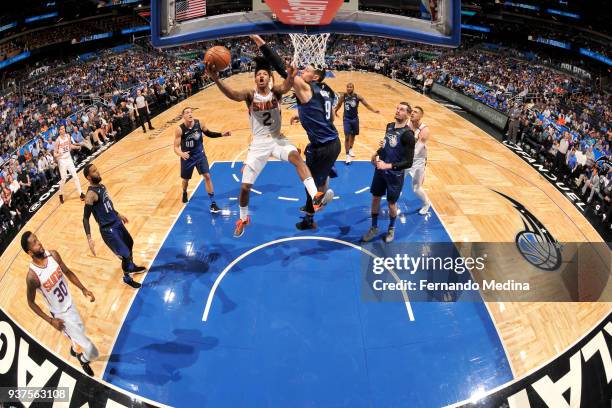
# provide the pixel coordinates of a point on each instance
(425, 209)
(351, 152)
(348, 160)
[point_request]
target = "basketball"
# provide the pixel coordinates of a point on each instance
(219, 56)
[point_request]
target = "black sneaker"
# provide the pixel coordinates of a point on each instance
(86, 368)
(139, 269)
(73, 353)
(127, 279)
(303, 209)
(61, 199)
(306, 224)
(185, 199)
(214, 209)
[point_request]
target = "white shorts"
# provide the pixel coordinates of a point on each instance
(260, 153)
(75, 331)
(417, 173)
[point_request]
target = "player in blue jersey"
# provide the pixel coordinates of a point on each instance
(350, 101)
(111, 223)
(395, 155)
(189, 147)
(315, 111)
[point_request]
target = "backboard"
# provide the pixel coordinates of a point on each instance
(176, 22)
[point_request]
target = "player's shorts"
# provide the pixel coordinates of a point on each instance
(320, 159)
(118, 239)
(199, 162)
(351, 127)
(389, 183)
(259, 154)
(75, 331)
(417, 174)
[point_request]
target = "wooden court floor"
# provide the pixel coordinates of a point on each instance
(465, 163)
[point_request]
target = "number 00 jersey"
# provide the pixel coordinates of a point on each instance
(265, 116)
(191, 139)
(52, 285)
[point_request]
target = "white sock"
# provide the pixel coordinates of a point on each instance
(310, 186)
(350, 151)
(244, 213)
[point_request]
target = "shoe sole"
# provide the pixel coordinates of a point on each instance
(327, 198)
(216, 211)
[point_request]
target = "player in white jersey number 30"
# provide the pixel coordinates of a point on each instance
(46, 275)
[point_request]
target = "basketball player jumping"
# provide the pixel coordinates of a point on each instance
(189, 147)
(265, 118)
(46, 275)
(350, 100)
(315, 104)
(395, 155)
(417, 171)
(63, 146)
(111, 223)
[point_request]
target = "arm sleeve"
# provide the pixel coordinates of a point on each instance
(86, 214)
(274, 59)
(407, 139)
(212, 134)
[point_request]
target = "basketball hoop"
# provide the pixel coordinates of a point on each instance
(309, 49)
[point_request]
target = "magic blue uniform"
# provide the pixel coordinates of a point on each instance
(191, 142)
(398, 149)
(316, 118)
(112, 229)
(351, 115)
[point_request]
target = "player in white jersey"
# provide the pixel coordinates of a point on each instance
(63, 146)
(267, 140)
(417, 171)
(46, 275)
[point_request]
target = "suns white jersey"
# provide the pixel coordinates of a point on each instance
(265, 117)
(52, 285)
(64, 147)
(420, 148)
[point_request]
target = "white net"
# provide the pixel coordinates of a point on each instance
(309, 49)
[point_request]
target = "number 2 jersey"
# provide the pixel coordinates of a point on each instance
(52, 285)
(265, 117)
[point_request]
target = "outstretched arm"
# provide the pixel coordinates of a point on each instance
(238, 96)
(90, 199)
(273, 58)
(287, 83)
(367, 105)
(339, 104)
(212, 134)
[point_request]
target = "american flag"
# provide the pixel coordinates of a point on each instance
(190, 9)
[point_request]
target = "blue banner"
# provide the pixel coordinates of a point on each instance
(476, 28)
(554, 43)
(135, 29)
(14, 59)
(96, 36)
(522, 5)
(564, 13)
(41, 17)
(596, 55)
(7, 26)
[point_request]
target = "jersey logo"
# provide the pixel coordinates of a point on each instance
(53, 279)
(324, 94)
(392, 139)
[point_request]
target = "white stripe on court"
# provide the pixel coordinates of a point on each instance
(288, 198)
(255, 191)
(235, 178)
(211, 294)
(363, 190)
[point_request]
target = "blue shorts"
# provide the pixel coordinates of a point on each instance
(199, 162)
(389, 183)
(321, 159)
(351, 127)
(118, 239)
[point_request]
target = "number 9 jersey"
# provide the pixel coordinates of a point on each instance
(52, 285)
(316, 114)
